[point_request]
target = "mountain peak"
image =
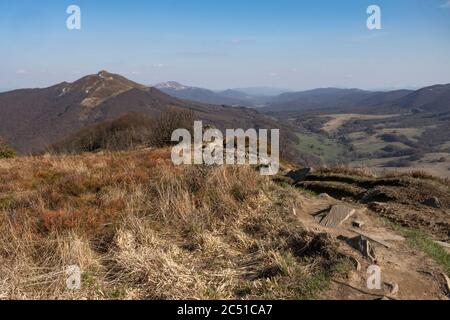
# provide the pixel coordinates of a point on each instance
(99, 87)
(103, 73)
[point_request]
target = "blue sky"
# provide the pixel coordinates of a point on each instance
(234, 43)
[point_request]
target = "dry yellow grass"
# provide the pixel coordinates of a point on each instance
(140, 228)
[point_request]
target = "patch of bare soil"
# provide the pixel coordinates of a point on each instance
(406, 273)
(338, 120)
(353, 212)
(417, 203)
(435, 222)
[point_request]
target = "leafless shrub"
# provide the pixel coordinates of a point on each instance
(5, 150)
(167, 123)
(126, 133)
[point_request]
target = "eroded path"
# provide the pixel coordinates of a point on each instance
(406, 272)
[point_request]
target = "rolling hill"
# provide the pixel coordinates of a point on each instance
(432, 99)
(230, 97)
(33, 119)
(331, 98)
(435, 98)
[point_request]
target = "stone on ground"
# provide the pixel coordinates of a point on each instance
(325, 196)
(299, 175)
(433, 202)
(336, 216)
(363, 245)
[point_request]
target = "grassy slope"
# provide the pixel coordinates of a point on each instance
(423, 242)
(320, 146)
(141, 228)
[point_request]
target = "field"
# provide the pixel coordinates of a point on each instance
(322, 147)
(394, 142)
(437, 164)
(138, 227)
(337, 120)
(141, 228)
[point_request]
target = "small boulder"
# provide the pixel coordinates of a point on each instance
(378, 194)
(325, 196)
(299, 175)
(432, 202)
(362, 244)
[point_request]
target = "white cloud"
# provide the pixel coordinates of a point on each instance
(21, 71)
(446, 5)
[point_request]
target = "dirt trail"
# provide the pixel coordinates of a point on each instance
(418, 277)
(402, 200)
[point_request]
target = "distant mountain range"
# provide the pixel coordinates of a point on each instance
(434, 98)
(32, 119)
(430, 99)
(229, 97)
(331, 98)
(263, 91)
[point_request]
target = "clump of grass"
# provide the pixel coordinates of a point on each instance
(347, 170)
(141, 228)
(421, 241)
(418, 174)
(7, 154)
(300, 281)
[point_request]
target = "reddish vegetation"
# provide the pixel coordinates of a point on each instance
(139, 227)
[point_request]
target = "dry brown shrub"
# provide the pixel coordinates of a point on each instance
(141, 228)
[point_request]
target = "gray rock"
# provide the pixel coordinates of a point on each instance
(363, 245)
(432, 202)
(299, 175)
(335, 216)
(377, 194)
